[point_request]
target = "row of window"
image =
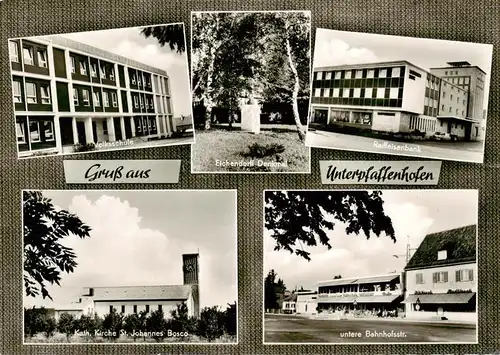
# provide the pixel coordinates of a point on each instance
(106, 72)
(450, 110)
(31, 90)
(35, 129)
(134, 307)
(97, 101)
(28, 55)
(422, 124)
(463, 275)
(375, 93)
(359, 74)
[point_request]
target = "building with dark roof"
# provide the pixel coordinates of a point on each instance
(134, 299)
(441, 276)
(399, 97)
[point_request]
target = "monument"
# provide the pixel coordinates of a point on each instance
(250, 116)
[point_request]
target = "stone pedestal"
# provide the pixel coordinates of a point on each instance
(250, 118)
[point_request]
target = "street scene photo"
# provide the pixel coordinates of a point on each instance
(250, 82)
(356, 266)
(399, 95)
(129, 266)
(123, 88)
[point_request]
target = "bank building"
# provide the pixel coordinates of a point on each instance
(134, 299)
(399, 97)
(67, 93)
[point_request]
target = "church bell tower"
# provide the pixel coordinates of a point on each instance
(190, 268)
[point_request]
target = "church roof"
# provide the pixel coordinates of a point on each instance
(161, 292)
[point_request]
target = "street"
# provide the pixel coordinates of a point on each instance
(461, 151)
(296, 329)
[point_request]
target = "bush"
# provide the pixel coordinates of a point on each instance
(135, 322)
(113, 322)
(257, 150)
(50, 326)
(34, 320)
(229, 319)
(67, 324)
(156, 323)
(210, 324)
(87, 147)
(88, 323)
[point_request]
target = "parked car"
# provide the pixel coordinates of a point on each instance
(441, 136)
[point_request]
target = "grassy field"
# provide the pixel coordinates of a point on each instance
(233, 147)
(59, 338)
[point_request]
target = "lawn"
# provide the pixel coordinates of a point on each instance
(278, 150)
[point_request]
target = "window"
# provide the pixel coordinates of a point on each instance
(345, 93)
(440, 277)
(359, 74)
(456, 111)
(160, 307)
(83, 67)
(461, 81)
(396, 72)
(110, 309)
(123, 308)
(31, 93)
(141, 100)
(463, 114)
(105, 98)
(105, 127)
(45, 94)
(382, 73)
(370, 74)
(319, 74)
(458, 100)
(317, 92)
(368, 93)
(445, 72)
(442, 107)
(464, 275)
(380, 93)
(357, 92)
(136, 102)
(86, 97)
(75, 97)
(347, 74)
(21, 138)
(42, 58)
(93, 70)
(456, 72)
(393, 94)
(338, 75)
(328, 75)
(73, 70)
(112, 74)
(442, 255)
(34, 131)
(28, 55)
(133, 79)
(135, 308)
(466, 80)
(451, 97)
(139, 80)
(326, 92)
(114, 99)
(449, 109)
(103, 72)
(147, 308)
(153, 124)
(444, 94)
(16, 91)
(97, 99)
(48, 129)
(444, 83)
(419, 278)
(336, 92)
(14, 51)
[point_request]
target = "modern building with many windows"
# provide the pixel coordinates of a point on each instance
(400, 97)
(67, 94)
(441, 277)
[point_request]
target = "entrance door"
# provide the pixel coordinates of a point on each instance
(306, 309)
(128, 128)
(118, 128)
(80, 128)
(66, 127)
(94, 131)
(449, 127)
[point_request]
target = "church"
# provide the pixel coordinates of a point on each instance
(135, 299)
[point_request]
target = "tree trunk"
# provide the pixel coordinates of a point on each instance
(208, 99)
(296, 88)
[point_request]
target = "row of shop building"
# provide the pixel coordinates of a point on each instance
(438, 282)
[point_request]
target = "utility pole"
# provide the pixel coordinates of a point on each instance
(408, 253)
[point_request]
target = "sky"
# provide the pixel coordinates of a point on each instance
(130, 43)
(340, 47)
(138, 238)
(414, 213)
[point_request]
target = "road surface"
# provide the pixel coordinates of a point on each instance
(461, 151)
(296, 329)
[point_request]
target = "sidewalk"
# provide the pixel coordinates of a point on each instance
(391, 319)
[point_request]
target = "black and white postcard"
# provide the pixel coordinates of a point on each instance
(399, 95)
(358, 266)
(250, 84)
(129, 266)
(123, 88)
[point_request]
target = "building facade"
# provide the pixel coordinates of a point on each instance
(372, 293)
(394, 97)
(441, 277)
(135, 299)
(307, 302)
(67, 93)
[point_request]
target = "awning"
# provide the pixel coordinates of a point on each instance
(440, 298)
(360, 299)
(377, 279)
(457, 118)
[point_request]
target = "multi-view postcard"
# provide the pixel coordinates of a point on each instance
(250, 84)
(399, 95)
(356, 266)
(129, 266)
(114, 89)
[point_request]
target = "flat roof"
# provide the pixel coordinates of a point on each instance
(373, 64)
(454, 67)
(458, 119)
(359, 280)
